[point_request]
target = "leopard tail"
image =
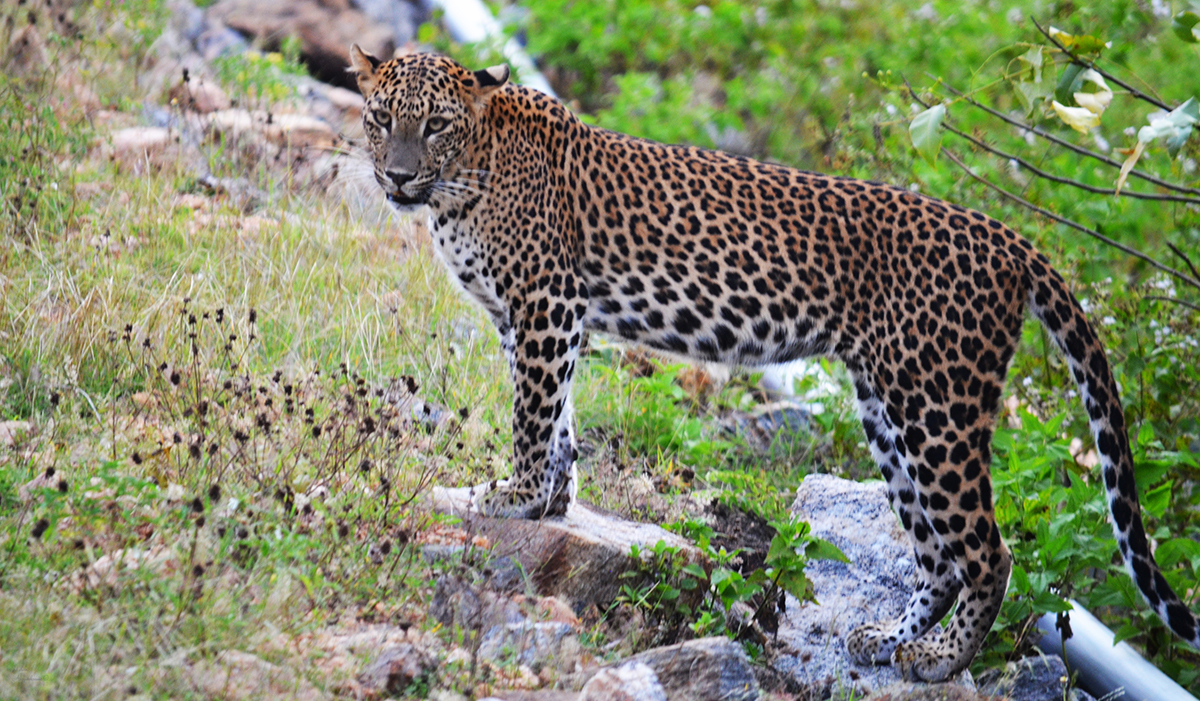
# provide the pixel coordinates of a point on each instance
(1052, 303)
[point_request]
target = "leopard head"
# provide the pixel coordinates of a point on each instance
(421, 115)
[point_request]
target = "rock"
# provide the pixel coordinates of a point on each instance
(234, 675)
(326, 30)
(709, 668)
(10, 431)
(1041, 678)
(199, 95)
(400, 16)
(532, 644)
(632, 681)
(874, 586)
(394, 670)
(295, 130)
(578, 556)
(907, 691)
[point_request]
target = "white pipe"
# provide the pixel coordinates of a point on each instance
(469, 21)
(1105, 668)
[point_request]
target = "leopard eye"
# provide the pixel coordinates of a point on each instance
(435, 124)
(383, 119)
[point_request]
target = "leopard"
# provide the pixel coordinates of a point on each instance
(558, 228)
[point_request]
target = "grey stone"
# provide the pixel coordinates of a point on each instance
(531, 644)
(398, 15)
(395, 669)
(578, 557)
(699, 670)
(1041, 678)
(874, 586)
(632, 681)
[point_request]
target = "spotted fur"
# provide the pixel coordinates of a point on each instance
(556, 227)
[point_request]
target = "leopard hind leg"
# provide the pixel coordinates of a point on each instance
(937, 583)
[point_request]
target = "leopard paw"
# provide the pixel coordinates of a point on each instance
(923, 661)
(871, 644)
(500, 499)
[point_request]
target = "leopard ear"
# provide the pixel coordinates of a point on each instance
(489, 79)
(364, 65)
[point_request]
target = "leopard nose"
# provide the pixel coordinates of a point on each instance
(400, 178)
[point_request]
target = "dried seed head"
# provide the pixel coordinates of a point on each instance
(316, 431)
(342, 530)
(137, 458)
(385, 547)
(198, 570)
(214, 492)
(253, 315)
(39, 528)
(200, 522)
(50, 472)
(197, 505)
(54, 398)
(464, 413)
(175, 377)
(63, 486)
(240, 436)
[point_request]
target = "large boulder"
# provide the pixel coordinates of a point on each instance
(325, 28)
(580, 556)
(874, 586)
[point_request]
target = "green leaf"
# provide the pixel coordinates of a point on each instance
(819, 549)
(1186, 26)
(1069, 83)
(926, 133)
(1126, 632)
(1156, 501)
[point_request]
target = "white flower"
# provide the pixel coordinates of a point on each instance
(1108, 321)
(1027, 381)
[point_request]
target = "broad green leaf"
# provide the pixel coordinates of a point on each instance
(1186, 26)
(1069, 83)
(926, 133)
(1156, 501)
(819, 549)
(1034, 58)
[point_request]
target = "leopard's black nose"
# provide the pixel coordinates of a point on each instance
(400, 178)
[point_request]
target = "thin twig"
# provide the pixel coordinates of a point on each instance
(1189, 305)
(1194, 282)
(1067, 144)
(1068, 181)
(1187, 261)
(1108, 76)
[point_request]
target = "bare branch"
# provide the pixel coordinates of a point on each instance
(1194, 282)
(1107, 76)
(1073, 147)
(1068, 181)
(1186, 260)
(1189, 305)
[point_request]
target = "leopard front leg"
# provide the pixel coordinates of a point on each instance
(542, 346)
